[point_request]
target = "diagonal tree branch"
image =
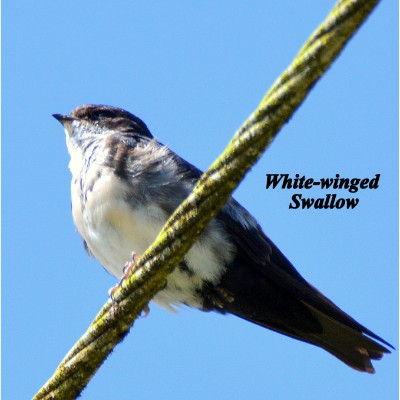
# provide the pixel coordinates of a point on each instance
(210, 194)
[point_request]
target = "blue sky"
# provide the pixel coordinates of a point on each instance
(194, 71)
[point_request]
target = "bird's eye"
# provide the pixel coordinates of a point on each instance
(104, 114)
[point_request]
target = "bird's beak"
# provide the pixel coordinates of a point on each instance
(63, 119)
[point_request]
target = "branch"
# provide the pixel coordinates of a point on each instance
(210, 194)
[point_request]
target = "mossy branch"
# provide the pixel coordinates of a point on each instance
(210, 194)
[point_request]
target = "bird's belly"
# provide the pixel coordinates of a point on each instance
(111, 226)
(113, 229)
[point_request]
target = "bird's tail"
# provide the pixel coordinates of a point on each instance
(347, 344)
(343, 337)
(272, 294)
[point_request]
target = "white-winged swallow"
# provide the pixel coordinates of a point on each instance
(125, 185)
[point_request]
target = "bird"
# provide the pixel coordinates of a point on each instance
(125, 184)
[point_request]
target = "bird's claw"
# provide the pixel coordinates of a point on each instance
(145, 312)
(128, 267)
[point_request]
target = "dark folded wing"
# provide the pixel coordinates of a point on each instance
(259, 253)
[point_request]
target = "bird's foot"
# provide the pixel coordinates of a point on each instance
(145, 312)
(128, 268)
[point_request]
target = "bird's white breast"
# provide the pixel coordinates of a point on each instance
(111, 227)
(114, 227)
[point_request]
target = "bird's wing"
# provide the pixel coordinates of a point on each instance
(259, 256)
(269, 291)
(261, 285)
(262, 254)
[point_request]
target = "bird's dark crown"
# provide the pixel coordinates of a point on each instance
(112, 118)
